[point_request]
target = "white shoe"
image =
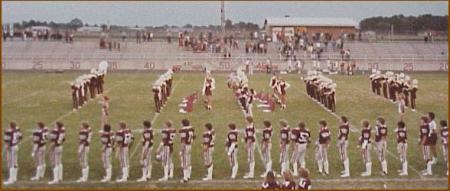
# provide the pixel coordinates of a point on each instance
(433, 160)
(34, 178)
(123, 179)
(403, 174)
(163, 179)
(142, 179)
(344, 175)
(365, 174)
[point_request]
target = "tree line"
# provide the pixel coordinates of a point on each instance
(405, 24)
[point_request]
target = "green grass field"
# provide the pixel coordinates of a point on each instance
(28, 97)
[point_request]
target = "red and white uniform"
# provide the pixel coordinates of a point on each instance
(266, 147)
(40, 136)
(322, 150)
(284, 148)
(57, 138)
(249, 139)
(302, 142)
(423, 138)
(432, 134)
(287, 185)
(208, 147)
(107, 140)
(11, 138)
(304, 184)
(208, 86)
(146, 154)
(381, 132)
(187, 137)
(402, 143)
(232, 150)
(444, 138)
(85, 136)
(168, 136)
(365, 143)
(123, 140)
(270, 186)
(344, 130)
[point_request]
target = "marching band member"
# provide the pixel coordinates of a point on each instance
(284, 145)
(124, 139)
(85, 135)
(187, 137)
(146, 154)
(266, 147)
(107, 139)
(231, 149)
(344, 131)
(381, 143)
(57, 138)
(283, 86)
(365, 143)
(270, 183)
(402, 146)
(249, 139)
(208, 150)
(208, 87)
(12, 137)
(323, 142)
(40, 136)
(304, 183)
(444, 138)
(165, 150)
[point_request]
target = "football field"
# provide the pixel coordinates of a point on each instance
(29, 97)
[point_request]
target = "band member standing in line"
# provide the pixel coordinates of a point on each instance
(57, 138)
(85, 135)
(365, 144)
(444, 138)
(266, 147)
(187, 137)
(124, 140)
(344, 130)
(231, 149)
(402, 146)
(40, 135)
(146, 154)
(208, 150)
(381, 143)
(284, 145)
(165, 150)
(12, 137)
(107, 139)
(323, 142)
(249, 139)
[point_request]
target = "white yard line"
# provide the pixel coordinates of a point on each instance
(355, 131)
(157, 114)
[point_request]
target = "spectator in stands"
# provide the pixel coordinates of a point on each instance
(124, 35)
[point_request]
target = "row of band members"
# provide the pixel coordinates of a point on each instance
(395, 87)
(161, 89)
(121, 140)
(85, 87)
(321, 89)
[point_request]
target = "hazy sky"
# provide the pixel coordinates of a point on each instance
(205, 13)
